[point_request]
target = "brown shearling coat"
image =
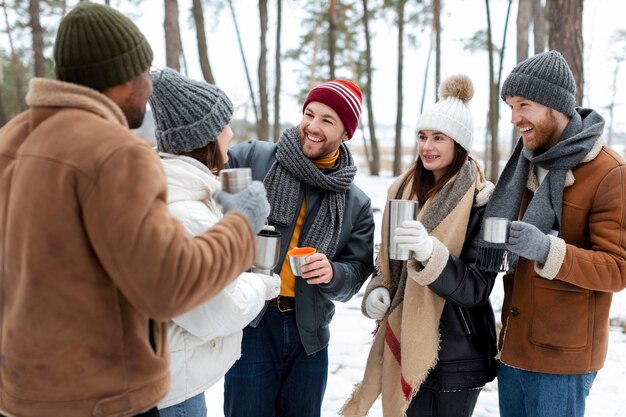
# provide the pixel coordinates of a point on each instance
(91, 263)
(556, 317)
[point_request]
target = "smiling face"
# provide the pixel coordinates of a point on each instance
(321, 131)
(436, 151)
(541, 126)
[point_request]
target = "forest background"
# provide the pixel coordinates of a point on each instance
(267, 54)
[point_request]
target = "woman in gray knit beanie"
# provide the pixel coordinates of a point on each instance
(192, 131)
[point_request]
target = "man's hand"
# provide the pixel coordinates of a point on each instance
(317, 270)
(528, 242)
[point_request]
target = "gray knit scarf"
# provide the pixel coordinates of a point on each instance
(283, 182)
(544, 210)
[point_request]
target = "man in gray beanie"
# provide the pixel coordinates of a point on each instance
(93, 265)
(563, 189)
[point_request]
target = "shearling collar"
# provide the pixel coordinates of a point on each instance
(53, 93)
(532, 183)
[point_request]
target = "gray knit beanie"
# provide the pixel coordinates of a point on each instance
(546, 79)
(188, 114)
(98, 47)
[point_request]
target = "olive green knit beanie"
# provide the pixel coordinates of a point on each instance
(98, 47)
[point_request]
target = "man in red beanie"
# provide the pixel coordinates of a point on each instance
(92, 265)
(309, 177)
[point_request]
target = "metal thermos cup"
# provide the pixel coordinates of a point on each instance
(235, 179)
(496, 229)
(267, 245)
(399, 211)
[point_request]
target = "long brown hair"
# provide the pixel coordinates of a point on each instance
(209, 155)
(424, 185)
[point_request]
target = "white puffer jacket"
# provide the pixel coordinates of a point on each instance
(205, 342)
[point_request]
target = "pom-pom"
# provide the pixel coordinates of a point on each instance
(459, 86)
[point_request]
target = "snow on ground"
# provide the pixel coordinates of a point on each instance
(351, 338)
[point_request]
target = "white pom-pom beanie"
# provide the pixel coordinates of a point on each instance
(451, 115)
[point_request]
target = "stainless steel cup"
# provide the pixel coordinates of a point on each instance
(399, 211)
(235, 179)
(297, 259)
(496, 229)
(267, 245)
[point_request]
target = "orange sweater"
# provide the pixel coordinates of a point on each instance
(288, 280)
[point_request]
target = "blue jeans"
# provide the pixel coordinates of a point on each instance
(534, 394)
(274, 376)
(191, 407)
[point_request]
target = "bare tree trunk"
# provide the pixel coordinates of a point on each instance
(424, 84)
(374, 162)
(539, 26)
(173, 46)
(611, 105)
(397, 157)
(493, 103)
(198, 17)
(3, 113)
(15, 61)
(37, 33)
(314, 57)
(524, 17)
(245, 63)
(566, 36)
(279, 24)
(332, 37)
(263, 124)
(524, 14)
(437, 31)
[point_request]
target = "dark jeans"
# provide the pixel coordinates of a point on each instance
(274, 376)
(429, 403)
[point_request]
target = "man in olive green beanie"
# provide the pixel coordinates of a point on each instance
(92, 266)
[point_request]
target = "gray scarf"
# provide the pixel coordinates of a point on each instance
(283, 182)
(544, 210)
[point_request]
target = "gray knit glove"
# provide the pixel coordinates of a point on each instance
(251, 202)
(528, 242)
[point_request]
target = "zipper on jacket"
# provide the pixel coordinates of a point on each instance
(463, 321)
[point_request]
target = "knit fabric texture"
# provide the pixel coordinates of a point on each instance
(344, 97)
(188, 114)
(451, 115)
(293, 170)
(545, 79)
(98, 47)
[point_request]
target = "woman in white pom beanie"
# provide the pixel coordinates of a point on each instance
(435, 345)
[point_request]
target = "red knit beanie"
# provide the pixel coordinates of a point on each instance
(344, 97)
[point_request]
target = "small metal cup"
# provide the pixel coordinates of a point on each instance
(399, 211)
(297, 259)
(235, 179)
(267, 245)
(496, 229)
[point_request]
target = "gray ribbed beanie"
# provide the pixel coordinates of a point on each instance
(188, 114)
(546, 79)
